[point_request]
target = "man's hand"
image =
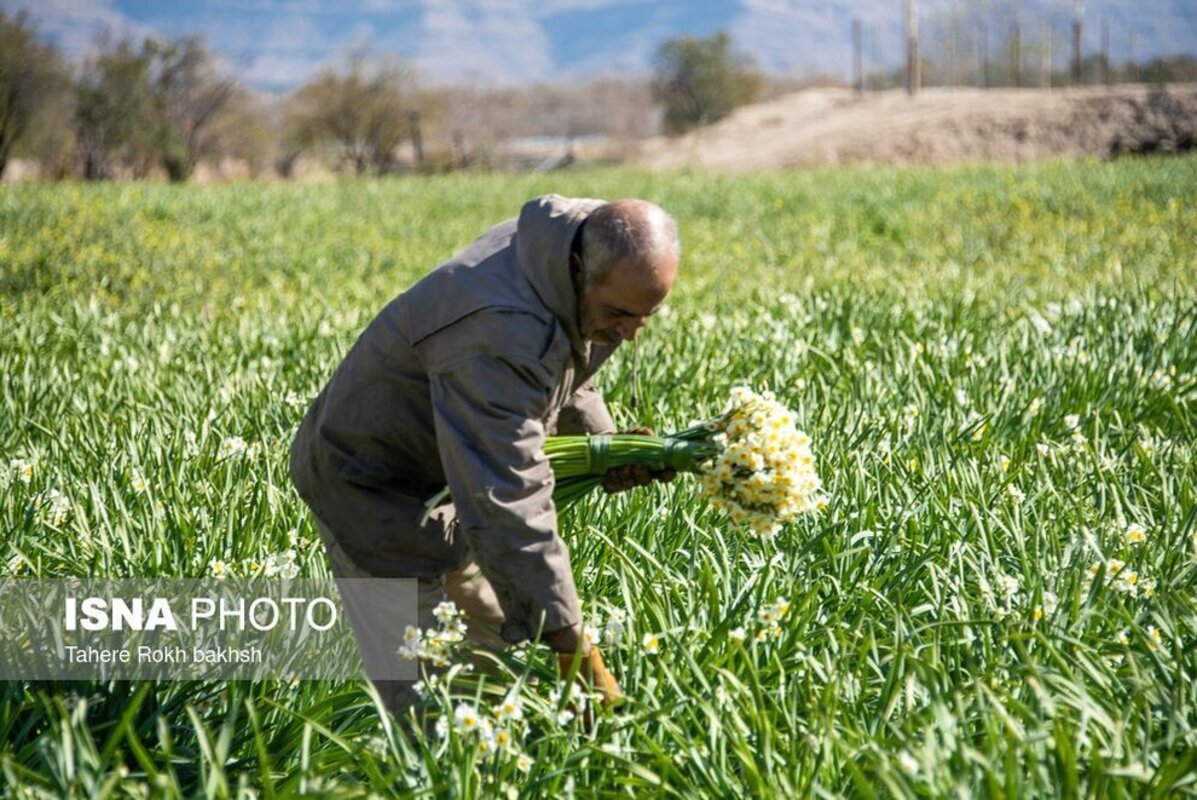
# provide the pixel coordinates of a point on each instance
(567, 640)
(593, 674)
(574, 647)
(629, 476)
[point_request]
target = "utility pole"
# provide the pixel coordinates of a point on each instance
(1045, 72)
(914, 77)
(1077, 67)
(952, 56)
(857, 57)
(1105, 52)
(878, 70)
(1016, 55)
(1134, 64)
(983, 55)
(1016, 50)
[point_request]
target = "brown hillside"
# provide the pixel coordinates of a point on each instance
(833, 126)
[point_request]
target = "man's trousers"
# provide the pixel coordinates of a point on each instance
(468, 588)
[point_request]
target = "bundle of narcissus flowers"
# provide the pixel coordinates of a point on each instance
(752, 460)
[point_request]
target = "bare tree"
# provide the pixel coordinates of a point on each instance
(189, 95)
(115, 120)
(244, 130)
(31, 74)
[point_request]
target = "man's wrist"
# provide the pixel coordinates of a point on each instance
(567, 640)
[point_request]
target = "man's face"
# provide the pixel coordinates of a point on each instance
(615, 309)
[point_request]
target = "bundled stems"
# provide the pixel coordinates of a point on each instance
(580, 462)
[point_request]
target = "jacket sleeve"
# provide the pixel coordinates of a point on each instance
(585, 412)
(487, 413)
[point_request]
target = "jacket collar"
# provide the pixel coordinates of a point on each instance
(544, 234)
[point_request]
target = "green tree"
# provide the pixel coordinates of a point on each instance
(1172, 69)
(700, 81)
(32, 73)
(361, 112)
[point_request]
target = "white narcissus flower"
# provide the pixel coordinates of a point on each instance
(445, 612)
(651, 644)
(511, 708)
(1153, 637)
(502, 739)
(1128, 582)
(22, 469)
(466, 718)
(57, 504)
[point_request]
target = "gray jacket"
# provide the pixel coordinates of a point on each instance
(457, 381)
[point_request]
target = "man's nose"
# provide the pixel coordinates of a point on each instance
(631, 327)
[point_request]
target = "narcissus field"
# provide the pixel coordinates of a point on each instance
(997, 370)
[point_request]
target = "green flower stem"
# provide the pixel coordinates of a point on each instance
(580, 462)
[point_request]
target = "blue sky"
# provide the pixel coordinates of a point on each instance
(277, 44)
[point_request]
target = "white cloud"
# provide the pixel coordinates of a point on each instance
(77, 25)
(632, 56)
(276, 52)
(550, 8)
(805, 37)
(483, 42)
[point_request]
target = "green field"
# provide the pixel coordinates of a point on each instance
(998, 369)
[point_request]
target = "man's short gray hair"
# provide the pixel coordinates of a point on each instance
(633, 230)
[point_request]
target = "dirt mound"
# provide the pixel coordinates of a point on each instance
(833, 126)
